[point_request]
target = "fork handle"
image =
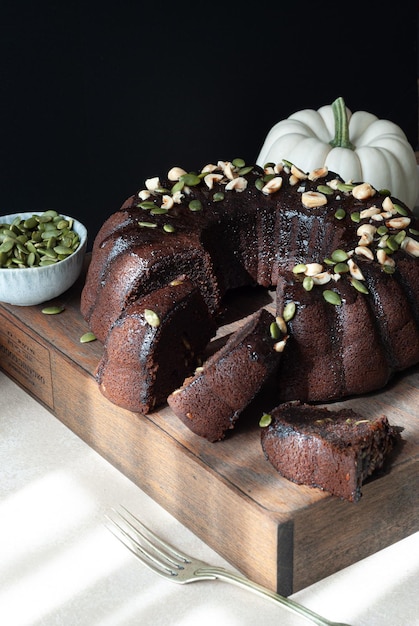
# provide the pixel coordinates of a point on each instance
(230, 577)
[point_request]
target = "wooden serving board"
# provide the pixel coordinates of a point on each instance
(280, 534)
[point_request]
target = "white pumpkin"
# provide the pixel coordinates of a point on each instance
(358, 147)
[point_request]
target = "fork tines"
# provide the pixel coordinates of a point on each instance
(145, 544)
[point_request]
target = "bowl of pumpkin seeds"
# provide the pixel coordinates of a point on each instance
(41, 256)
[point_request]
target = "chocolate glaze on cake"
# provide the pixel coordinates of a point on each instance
(334, 450)
(211, 401)
(156, 342)
(343, 255)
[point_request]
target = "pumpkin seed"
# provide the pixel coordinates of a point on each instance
(178, 186)
(400, 236)
(328, 191)
(195, 205)
(161, 190)
(289, 311)
(265, 420)
(332, 297)
(30, 223)
(355, 217)
(308, 283)
(146, 205)
(87, 337)
(218, 196)
(147, 224)
(400, 210)
(344, 186)
(392, 244)
(151, 318)
(245, 170)
(341, 268)
(63, 250)
(300, 268)
(53, 310)
(31, 259)
(340, 214)
(339, 255)
(384, 192)
(190, 180)
(7, 245)
(275, 331)
(359, 286)
(238, 163)
(168, 228)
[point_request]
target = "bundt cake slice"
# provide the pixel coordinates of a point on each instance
(156, 342)
(333, 450)
(211, 401)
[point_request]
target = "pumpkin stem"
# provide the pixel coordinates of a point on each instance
(341, 138)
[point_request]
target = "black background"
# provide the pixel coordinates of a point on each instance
(96, 97)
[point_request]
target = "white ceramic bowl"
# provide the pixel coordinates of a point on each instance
(34, 285)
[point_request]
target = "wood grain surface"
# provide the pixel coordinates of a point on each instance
(280, 534)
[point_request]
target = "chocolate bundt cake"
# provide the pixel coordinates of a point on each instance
(334, 450)
(342, 256)
(153, 345)
(211, 401)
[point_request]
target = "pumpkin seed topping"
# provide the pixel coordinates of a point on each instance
(359, 286)
(239, 163)
(289, 311)
(344, 187)
(151, 318)
(190, 180)
(339, 256)
(399, 209)
(195, 205)
(325, 189)
(275, 331)
(168, 228)
(332, 297)
(383, 227)
(308, 283)
(147, 224)
(341, 268)
(265, 420)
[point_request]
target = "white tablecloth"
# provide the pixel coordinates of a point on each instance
(60, 566)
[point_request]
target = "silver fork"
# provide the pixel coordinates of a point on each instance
(181, 568)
